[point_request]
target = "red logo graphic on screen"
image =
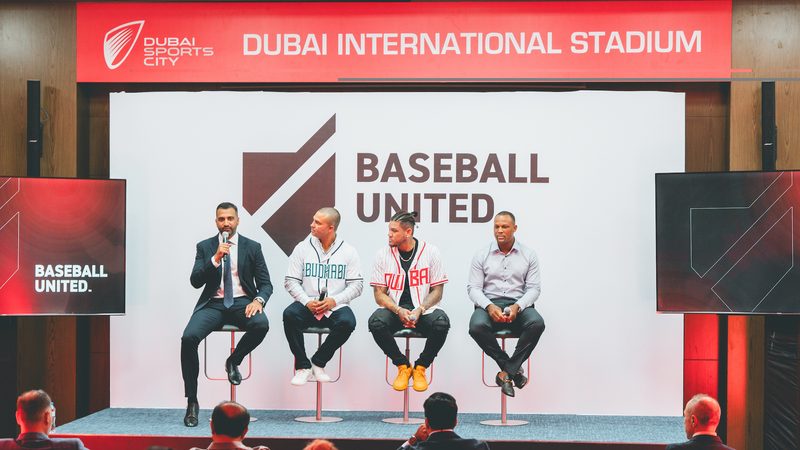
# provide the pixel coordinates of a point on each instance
(9, 230)
(264, 174)
(119, 42)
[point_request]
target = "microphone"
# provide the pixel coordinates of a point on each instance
(323, 293)
(225, 241)
(507, 311)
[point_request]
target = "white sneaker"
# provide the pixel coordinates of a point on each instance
(320, 375)
(301, 376)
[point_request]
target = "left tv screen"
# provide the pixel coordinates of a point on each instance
(62, 246)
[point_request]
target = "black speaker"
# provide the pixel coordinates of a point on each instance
(769, 130)
(34, 146)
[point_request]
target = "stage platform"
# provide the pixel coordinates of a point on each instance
(136, 429)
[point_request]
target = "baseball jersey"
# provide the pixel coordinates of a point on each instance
(311, 270)
(425, 272)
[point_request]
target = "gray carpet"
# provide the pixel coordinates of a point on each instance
(280, 424)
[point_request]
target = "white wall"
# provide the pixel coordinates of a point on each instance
(605, 350)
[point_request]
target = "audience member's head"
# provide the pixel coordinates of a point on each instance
(320, 444)
(34, 409)
(229, 422)
(701, 415)
(441, 411)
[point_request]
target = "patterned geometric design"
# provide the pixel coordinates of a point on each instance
(9, 230)
(265, 173)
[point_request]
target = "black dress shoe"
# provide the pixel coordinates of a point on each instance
(520, 380)
(234, 376)
(505, 385)
(192, 412)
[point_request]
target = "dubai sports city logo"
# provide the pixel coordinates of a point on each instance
(264, 174)
(119, 42)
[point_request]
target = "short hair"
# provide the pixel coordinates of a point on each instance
(333, 213)
(705, 408)
(406, 219)
(441, 411)
(506, 213)
(320, 444)
(227, 205)
(32, 405)
(230, 419)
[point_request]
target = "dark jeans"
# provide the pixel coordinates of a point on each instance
(296, 317)
(434, 326)
(211, 317)
(528, 325)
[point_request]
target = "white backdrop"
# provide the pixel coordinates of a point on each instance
(605, 350)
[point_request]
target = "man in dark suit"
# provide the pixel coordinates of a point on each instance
(233, 274)
(700, 420)
(441, 416)
(35, 419)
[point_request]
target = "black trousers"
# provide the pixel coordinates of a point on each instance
(529, 325)
(211, 317)
(296, 317)
(434, 326)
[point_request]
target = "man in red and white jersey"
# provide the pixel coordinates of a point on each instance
(408, 280)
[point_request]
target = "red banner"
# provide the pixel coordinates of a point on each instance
(394, 42)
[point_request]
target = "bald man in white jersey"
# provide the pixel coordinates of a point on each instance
(324, 275)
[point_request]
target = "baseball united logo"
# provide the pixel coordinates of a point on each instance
(263, 174)
(119, 42)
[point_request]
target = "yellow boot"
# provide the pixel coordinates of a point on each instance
(420, 382)
(403, 374)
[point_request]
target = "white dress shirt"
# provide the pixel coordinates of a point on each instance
(233, 257)
(495, 274)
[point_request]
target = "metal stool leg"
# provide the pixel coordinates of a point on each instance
(405, 420)
(233, 348)
(250, 369)
(317, 418)
(503, 411)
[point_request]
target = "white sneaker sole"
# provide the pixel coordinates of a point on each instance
(302, 382)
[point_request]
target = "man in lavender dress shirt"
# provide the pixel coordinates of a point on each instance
(504, 283)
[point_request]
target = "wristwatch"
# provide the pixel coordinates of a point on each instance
(260, 300)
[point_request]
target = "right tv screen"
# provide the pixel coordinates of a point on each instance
(725, 242)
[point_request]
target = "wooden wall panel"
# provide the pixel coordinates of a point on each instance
(787, 117)
(38, 42)
(766, 38)
(745, 399)
(99, 145)
(8, 375)
(745, 125)
(707, 127)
